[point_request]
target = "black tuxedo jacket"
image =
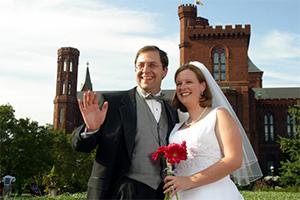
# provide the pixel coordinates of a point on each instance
(114, 141)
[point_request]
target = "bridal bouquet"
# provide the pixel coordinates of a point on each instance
(173, 153)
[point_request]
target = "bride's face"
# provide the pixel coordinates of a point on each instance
(188, 88)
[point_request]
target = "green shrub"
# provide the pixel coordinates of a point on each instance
(290, 167)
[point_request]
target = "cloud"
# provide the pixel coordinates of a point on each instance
(275, 79)
(277, 54)
(275, 46)
(279, 45)
(36, 29)
(107, 36)
(30, 99)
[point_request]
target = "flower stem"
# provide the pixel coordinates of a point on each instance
(177, 198)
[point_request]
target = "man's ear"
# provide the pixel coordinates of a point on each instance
(165, 72)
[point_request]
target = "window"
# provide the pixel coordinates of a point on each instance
(69, 88)
(291, 126)
(219, 62)
(71, 66)
(61, 116)
(63, 88)
(65, 66)
(269, 127)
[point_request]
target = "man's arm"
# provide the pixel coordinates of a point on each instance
(84, 144)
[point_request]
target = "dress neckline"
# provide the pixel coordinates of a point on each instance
(181, 124)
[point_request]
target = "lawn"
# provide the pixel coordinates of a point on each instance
(248, 195)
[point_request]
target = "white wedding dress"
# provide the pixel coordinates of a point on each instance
(203, 151)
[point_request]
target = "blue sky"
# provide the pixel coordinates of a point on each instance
(108, 34)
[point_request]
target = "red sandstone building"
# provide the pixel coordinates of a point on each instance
(224, 51)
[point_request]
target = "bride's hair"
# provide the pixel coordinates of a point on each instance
(206, 98)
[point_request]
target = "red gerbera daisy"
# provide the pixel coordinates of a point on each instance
(174, 153)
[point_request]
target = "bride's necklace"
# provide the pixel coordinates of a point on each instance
(193, 122)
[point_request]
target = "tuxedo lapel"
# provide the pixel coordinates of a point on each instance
(129, 119)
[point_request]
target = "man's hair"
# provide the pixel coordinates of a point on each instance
(163, 55)
(205, 100)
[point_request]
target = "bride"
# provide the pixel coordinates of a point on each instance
(216, 142)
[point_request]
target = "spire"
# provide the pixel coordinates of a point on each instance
(87, 84)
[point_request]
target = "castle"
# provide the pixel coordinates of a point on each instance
(224, 50)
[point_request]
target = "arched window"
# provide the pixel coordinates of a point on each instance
(69, 88)
(63, 88)
(291, 126)
(71, 66)
(219, 62)
(61, 116)
(269, 127)
(65, 65)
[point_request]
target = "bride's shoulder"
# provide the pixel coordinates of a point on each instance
(222, 112)
(217, 110)
(221, 109)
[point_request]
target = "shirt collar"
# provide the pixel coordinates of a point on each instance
(144, 94)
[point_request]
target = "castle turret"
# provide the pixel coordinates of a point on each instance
(188, 18)
(65, 102)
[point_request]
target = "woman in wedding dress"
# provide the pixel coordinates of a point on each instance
(216, 142)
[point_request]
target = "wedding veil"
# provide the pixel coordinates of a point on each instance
(249, 170)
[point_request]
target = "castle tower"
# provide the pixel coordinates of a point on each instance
(188, 18)
(224, 51)
(65, 103)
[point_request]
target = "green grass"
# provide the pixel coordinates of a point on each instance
(248, 195)
(77, 196)
(270, 195)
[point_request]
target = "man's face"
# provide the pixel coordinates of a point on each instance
(149, 71)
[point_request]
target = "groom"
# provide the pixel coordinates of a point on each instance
(128, 127)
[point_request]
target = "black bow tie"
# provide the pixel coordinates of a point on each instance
(159, 98)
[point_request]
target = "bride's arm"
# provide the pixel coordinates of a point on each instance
(230, 142)
(231, 145)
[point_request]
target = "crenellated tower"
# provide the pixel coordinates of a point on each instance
(188, 18)
(198, 40)
(65, 102)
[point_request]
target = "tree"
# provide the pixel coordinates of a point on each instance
(29, 152)
(25, 148)
(7, 124)
(72, 168)
(290, 168)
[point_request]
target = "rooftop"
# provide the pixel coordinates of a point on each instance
(252, 67)
(277, 93)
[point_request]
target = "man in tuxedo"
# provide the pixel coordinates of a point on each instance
(126, 130)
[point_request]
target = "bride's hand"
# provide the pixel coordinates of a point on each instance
(177, 183)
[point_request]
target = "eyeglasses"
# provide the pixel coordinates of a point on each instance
(152, 65)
